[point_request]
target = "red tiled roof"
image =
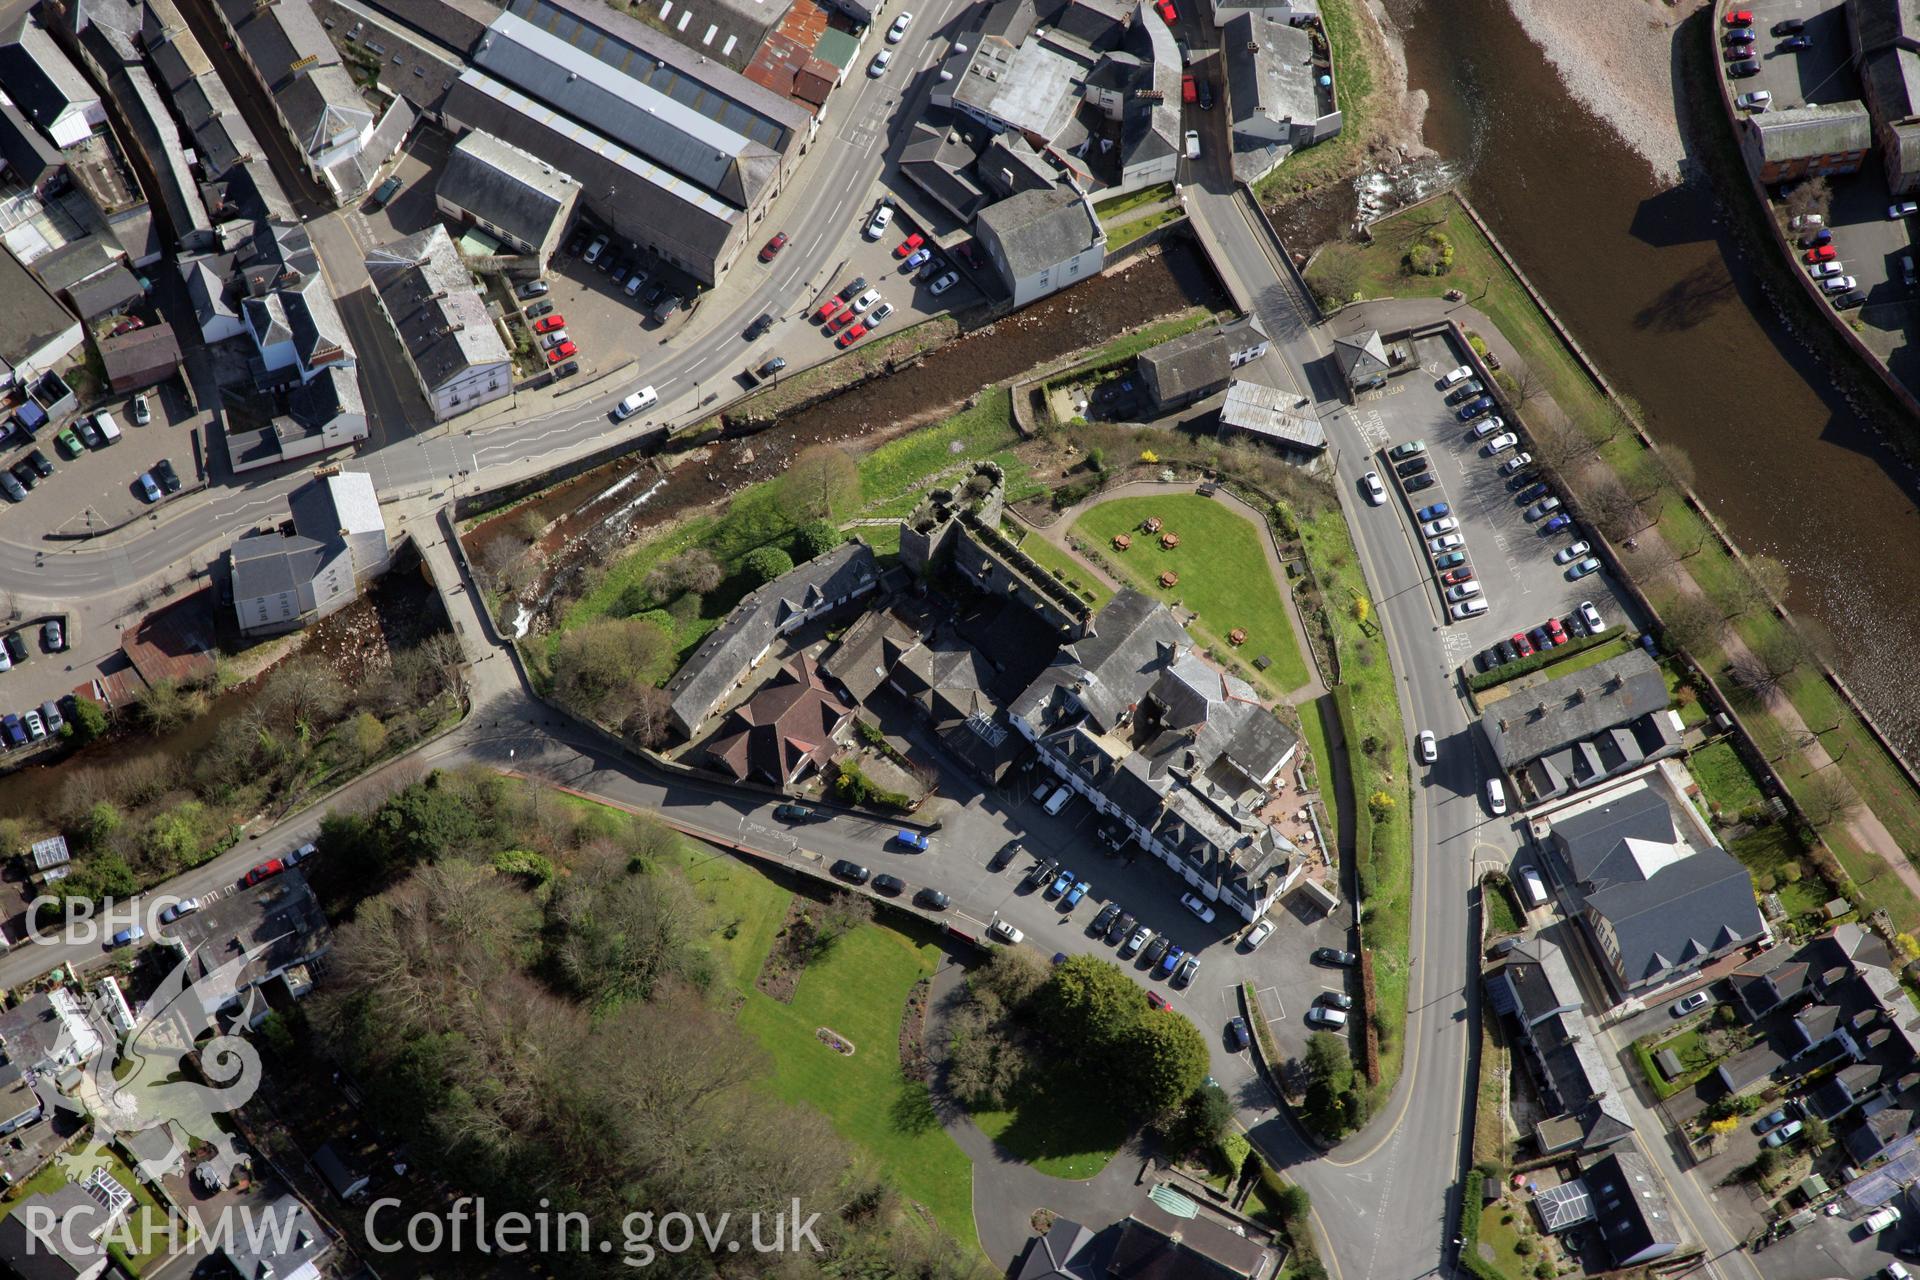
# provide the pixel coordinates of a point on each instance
(784, 728)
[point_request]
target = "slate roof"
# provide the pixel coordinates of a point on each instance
(1877, 1132)
(1041, 229)
(861, 659)
(436, 306)
(1807, 132)
(1527, 725)
(266, 564)
(321, 102)
(1536, 987)
(54, 1235)
(1361, 355)
(175, 51)
(27, 151)
(339, 504)
(1630, 1206)
(75, 261)
(1193, 364)
(1061, 1254)
(141, 357)
(294, 1240)
(457, 24)
(39, 77)
(1156, 1245)
(1667, 902)
(938, 158)
(318, 334)
(510, 188)
(32, 316)
(112, 290)
(787, 725)
(724, 655)
(278, 920)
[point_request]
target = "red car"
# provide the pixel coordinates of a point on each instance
(1740, 18)
(841, 321)
(128, 325)
(1156, 1000)
(547, 324)
(851, 336)
(1167, 11)
(561, 352)
(1821, 253)
(266, 870)
(1454, 577)
(774, 246)
(1556, 631)
(1522, 647)
(907, 246)
(827, 308)
(1189, 92)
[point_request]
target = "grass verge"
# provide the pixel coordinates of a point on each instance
(1127, 232)
(1062, 564)
(1114, 208)
(1061, 1133)
(1222, 568)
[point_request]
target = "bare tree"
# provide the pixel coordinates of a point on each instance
(1766, 666)
(1614, 511)
(600, 668)
(499, 558)
(1336, 275)
(820, 482)
(1526, 386)
(1793, 742)
(1810, 197)
(1653, 559)
(1827, 798)
(839, 915)
(1561, 447)
(1693, 623)
(650, 721)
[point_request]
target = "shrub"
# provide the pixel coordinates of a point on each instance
(1432, 256)
(1380, 804)
(764, 564)
(815, 539)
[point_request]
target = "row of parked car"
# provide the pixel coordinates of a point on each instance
(1741, 37)
(88, 433)
(36, 723)
(627, 271)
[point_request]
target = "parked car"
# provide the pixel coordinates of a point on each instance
(851, 336)
(875, 316)
(1742, 69)
(1475, 407)
(13, 731)
(1321, 1016)
(1445, 542)
(1556, 523)
(1571, 553)
(1122, 928)
(1739, 35)
(1434, 528)
(1005, 856)
(1410, 447)
(851, 871)
(791, 812)
(1189, 965)
(1522, 647)
(1106, 917)
(1487, 426)
(882, 216)
(1797, 43)
(1001, 931)
(127, 937)
(914, 841)
(1466, 391)
(1417, 483)
(547, 324)
(1757, 101)
(265, 871)
(899, 28)
(877, 68)
(1581, 568)
(597, 250)
(1496, 796)
(932, 899)
(944, 283)
(1198, 905)
(1042, 872)
(1468, 609)
(917, 259)
(184, 907)
(1141, 937)
(1155, 950)
(1335, 999)
(1454, 377)
(142, 410)
(1451, 560)
(169, 479)
(1433, 511)
(774, 246)
(1061, 883)
(1257, 935)
(1546, 506)
(1838, 284)
(1590, 618)
(1532, 493)
(1168, 963)
(1073, 895)
(1427, 746)
(1334, 957)
(1454, 577)
(890, 885)
(1783, 1135)
(562, 352)
(865, 301)
(149, 489)
(534, 289)
(910, 246)
(1821, 253)
(1237, 1033)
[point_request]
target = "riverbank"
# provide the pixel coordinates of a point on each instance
(1617, 58)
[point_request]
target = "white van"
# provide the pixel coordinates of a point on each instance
(1496, 796)
(1057, 801)
(644, 398)
(1880, 1219)
(109, 429)
(1532, 887)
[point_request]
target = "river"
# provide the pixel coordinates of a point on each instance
(1659, 295)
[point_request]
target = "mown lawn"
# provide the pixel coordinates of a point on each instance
(1776, 853)
(1064, 1134)
(745, 910)
(1223, 573)
(859, 990)
(1724, 777)
(1480, 273)
(1497, 901)
(1502, 1228)
(148, 1222)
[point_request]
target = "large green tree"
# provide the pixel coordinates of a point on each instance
(1166, 1061)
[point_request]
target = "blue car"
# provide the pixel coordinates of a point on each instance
(1474, 408)
(16, 733)
(1451, 560)
(1168, 962)
(1060, 885)
(1582, 568)
(1076, 893)
(911, 840)
(1434, 512)
(1560, 521)
(1797, 42)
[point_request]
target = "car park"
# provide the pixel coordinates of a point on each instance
(169, 479)
(899, 28)
(851, 336)
(1545, 506)
(944, 283)
(1427, 746)
(1455, 377)
(1581, 568)
(1334, 957)
(1838, 284)
(1505, 440)
(1375, 491)
(1590, 618)
(850, 871)
(1434, 528)
(1468, 609)
(1475, 407)
(1198, 905)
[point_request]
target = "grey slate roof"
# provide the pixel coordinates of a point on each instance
(510, 188)
(1156, 1245)
(938, 158)
(266, 564)
(1560, 712)
(1536, 987)
(1269, 413)
(54, 1235)
(112, 289)
(75, 261)
(38, 75)
(1877, 1132)
(723, 656)
(1041, 229)
(1667, 902)
(1630, 1206)
(261, 1257)
(1818, 129)
(437, 307)
(320, 101)
(1192, 364)
(32, 316)
(27, 152)
(457, 24)
(279, 919)
(1361, 355)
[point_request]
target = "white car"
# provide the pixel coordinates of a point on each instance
(1141, 937)
(142, 414)
(554, 339)
(865, 300)
(1487, 426)
(1445, 542)
(1469, 609)
(1429, 746)
(1821, 270)
(1516, 462)
(945, 283)
(1838, 284)
(899, 28)
(1905, 209)
(1434, 528)
(598, 247)
(877, 225)
(35, 727)
(1457, 377)
(1463, 590)
(881, 61)
(1259, 934)
(1198, 905)
(1376, 492)
(1496, 796)
(1590, 618)
(1193, 144)
(1567, 555)
(1504, 441)
(1005, 932)
(184, 907)
(1758, 100)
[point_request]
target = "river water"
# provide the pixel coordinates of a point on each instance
(1655, 291)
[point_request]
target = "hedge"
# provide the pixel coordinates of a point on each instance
(1470, 1204)
(1480, 680)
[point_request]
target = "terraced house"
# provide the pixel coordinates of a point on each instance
(1132, 717)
